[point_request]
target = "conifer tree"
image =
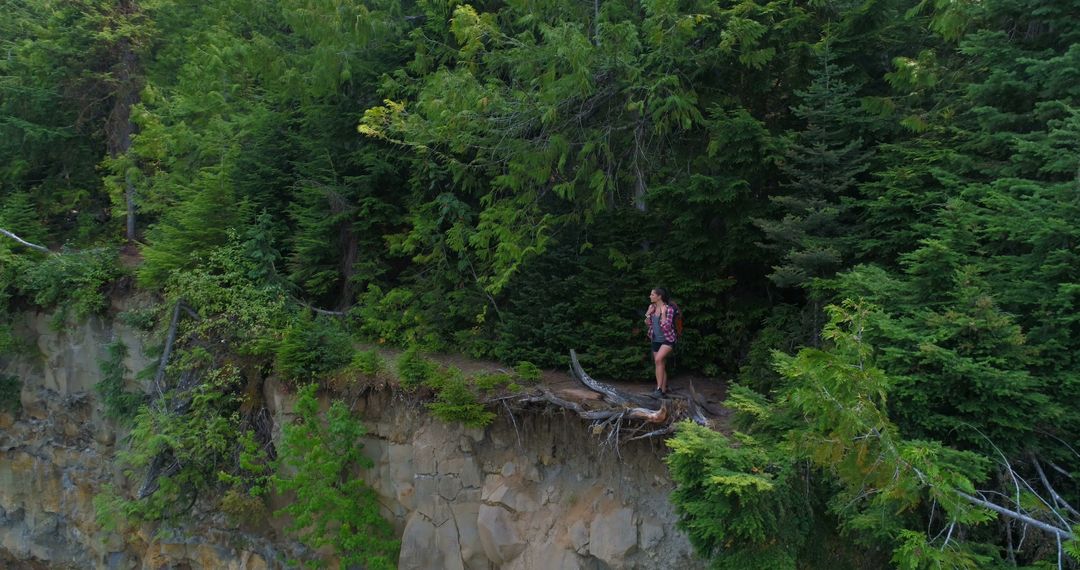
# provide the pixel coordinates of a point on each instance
(822, 165)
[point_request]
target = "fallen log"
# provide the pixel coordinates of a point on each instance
(612, 395)
(695, 407)
(644, 414)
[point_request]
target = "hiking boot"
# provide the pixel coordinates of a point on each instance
(656, 393)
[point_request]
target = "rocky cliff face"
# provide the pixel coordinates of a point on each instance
(532, 491)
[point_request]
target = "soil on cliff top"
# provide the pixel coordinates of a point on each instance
(711, 392)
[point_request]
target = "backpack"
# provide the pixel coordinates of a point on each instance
(678, 323)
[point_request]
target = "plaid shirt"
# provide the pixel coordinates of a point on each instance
(667, 322)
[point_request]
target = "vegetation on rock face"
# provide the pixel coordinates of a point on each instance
(509, 180)
(332, 506)
(119, 403)
(10, 394)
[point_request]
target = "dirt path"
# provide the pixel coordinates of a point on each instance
(711, 391)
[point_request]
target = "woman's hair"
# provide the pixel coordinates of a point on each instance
(664, 295)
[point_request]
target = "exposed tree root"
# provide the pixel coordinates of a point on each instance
(657, 418)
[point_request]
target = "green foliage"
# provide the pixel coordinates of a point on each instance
(492, 381)
(140, 318)
(178, 455)
(738, 501)
(8, 342)
(456, 402)
(830, 413)
(10, 394)
(243, 508)
(312, 347)
(916, 552)
(60, 105)
(368, 363)
(119, 403)
(319, 459)
(236, 312)
(527, 372)
(413, 369)
(1072, 547)
(74, 283)
(524, 173)
(249, 483)
(823, 164)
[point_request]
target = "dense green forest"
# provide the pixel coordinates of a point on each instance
(869, 212)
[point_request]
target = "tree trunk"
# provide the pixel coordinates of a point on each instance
(119, 126)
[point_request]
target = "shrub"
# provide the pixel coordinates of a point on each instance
(242, 508)
(527, 372)
(140, 319)
(119, 404)
(368, 363)
(73, 282)
(333, 506)
(10, 394)
(488, 382)
(456, 403)
(413, 369)
(8, 342)
(312, 347)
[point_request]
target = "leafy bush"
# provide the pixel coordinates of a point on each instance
(10, 394)
(119, 404)
(243, 508)
(312, 347)
(738, 501)
(8, 342)
(413, 369)
(368, 363)
(318, 462)
(527, 372)
(141, 319)
(237, 312)
(199, 441)
(488, 382)
(455, 402)
(395, 317)
(73, 282)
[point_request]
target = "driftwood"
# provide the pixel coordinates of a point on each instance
(695, 403)
(612, 395)
(622, 406)
(644, 414)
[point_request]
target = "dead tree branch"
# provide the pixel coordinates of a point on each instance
(695, 408)
(1058, 500)
(1060, 533)
(611, 394)
(40, 248)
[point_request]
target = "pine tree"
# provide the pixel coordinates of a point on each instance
(822, 166)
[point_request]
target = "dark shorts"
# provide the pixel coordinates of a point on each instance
(656, 345)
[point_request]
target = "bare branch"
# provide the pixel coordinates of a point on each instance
(319, 311)
(611, 394)
(1058, 500)
(40, 248)
(1062, 533)
(159, 377)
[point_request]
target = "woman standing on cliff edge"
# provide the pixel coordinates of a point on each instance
(660, 324)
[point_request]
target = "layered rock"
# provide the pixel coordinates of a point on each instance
(534, 490)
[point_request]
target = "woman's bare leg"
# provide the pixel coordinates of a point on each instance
(661, 367)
